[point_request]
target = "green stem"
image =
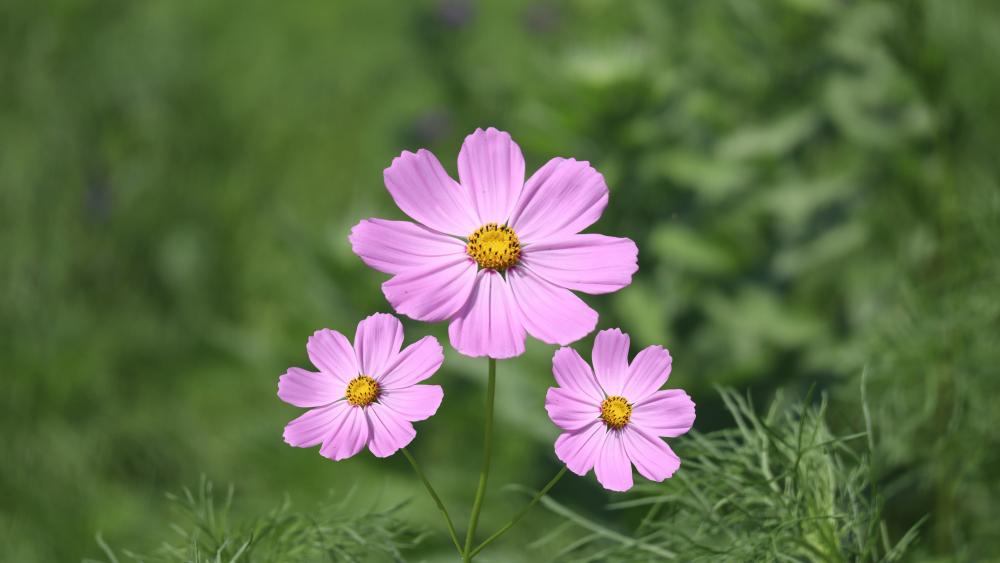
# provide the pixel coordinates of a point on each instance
(437, 499)
(484, 473)
(517, 517)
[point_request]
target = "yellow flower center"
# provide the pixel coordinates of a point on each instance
(362, 391)
(494, 247)
(616, 412)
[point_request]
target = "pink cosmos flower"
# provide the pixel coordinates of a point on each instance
(495, 255)
(363, 395)
(615, 414)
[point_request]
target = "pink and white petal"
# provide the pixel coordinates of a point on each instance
(349, 436)
(312, 427)
(377, 343)
(648, 372)
(589, 263)
(394, 247)
(579, 450)
(417, 402)
(611, 360)
(491, 167)
(389, 431)
(562, 198)
(652, 456)
(434, 292)
(424, 191)
(570, 410)
(304, 388)
(415, 363)
(664, 413)
(550, 313)
(573, 373)
(613, 468)
(489, 324)
(333, 354)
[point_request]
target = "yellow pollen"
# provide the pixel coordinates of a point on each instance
(616, 412)
(362, 391)
(494, 247)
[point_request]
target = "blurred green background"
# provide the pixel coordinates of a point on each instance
(813, 185)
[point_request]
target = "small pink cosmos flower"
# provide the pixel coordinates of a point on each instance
(363, 395)
(495, 255)
(615, 414)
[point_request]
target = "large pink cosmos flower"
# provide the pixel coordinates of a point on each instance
(615, 414)
(366, 394)
(495, 255)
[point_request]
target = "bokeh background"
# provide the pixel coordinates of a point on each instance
(813, 185)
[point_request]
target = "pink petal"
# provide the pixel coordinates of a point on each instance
(551, 314)
(569, 410)
(579, 450)
(389, 431)
(304, 388)
(489, 324)
(562, 198)
(415, 363)
(652, 456)
(350, 435)
(396, 246)
(417, 402)
(423, 190)
(611, 360)
(333, 354)
(648, 372)
(491, 167)
(574, 374)
(588, 263)
(434, 292)
(613, 469)
(664, 413)
(315, 425)
(377, 343)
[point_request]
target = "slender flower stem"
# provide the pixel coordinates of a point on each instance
(517, 517)
(484, 473)
(437, 500)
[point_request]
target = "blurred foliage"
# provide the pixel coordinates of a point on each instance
(812, 185)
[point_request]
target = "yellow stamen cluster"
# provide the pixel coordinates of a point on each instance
(616, 412)
(362, 391)
(494, 247)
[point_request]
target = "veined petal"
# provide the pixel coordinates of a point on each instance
(434, 292)
(424, 191)
(415, 363)
(312, 427)
(571, 372)
(491, 167)
(569, 410)
(652, 456)
(589, 263)
(550, 313)
(304, 388)
(562, 198)
(613, 468)
(648, 372)
(389, 431)
(611, 360)
(417, 402)
(580, 449)
(348, 437)
(377, 343)
(396, 246)
(664, 413)
(489, 324)
(333, 354)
